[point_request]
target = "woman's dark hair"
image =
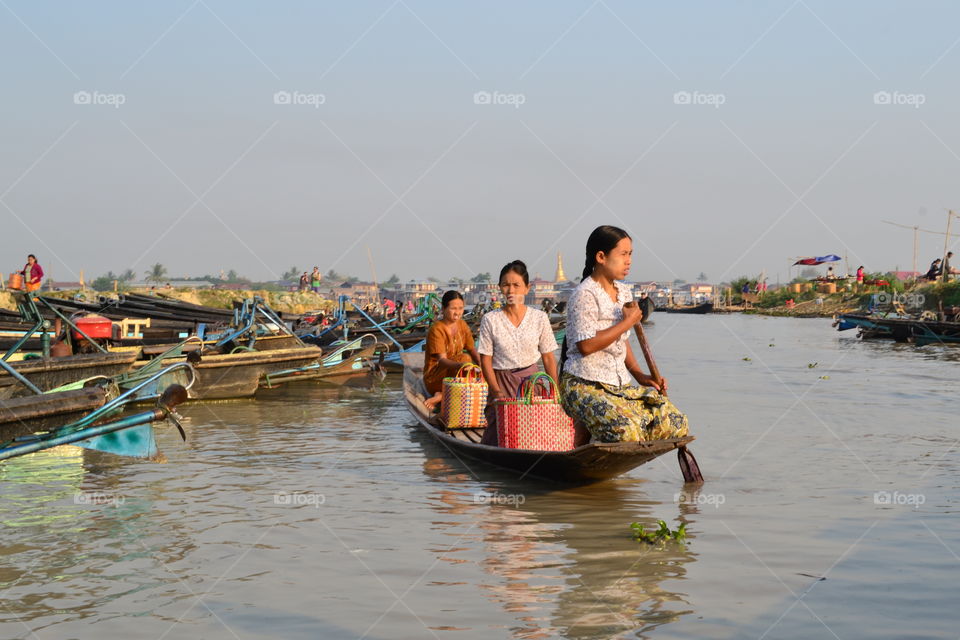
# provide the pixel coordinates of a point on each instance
(518, 267)
(604, 238)
(450, 296)
(32, 256)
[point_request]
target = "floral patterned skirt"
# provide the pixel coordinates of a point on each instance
(621, 414)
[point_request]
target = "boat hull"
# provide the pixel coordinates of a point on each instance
(50, 373)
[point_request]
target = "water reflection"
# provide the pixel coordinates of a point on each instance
(562, 561)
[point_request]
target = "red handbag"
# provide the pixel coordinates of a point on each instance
(532, 421)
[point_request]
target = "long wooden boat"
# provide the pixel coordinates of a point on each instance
(900, 329)
(586, 464)
(357, 359)
(238, 375)
(699, 309)
(50, 373)
(28, 414)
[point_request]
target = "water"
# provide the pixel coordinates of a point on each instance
(318, 511)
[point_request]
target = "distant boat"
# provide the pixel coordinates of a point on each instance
(706, 307)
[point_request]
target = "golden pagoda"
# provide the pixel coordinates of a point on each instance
(561, 277)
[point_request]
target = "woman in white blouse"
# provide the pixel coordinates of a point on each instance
(513, 340)
(598, 363)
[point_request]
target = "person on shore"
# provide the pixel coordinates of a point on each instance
(304, 282)
(830, 274)
(315, 279)
(513, 339)
(934, 272)
(449, 346)
(32, 274)
(389, 307)
(860, 274)
(597, 362)
(947, 269)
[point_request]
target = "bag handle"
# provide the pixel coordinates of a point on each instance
(473, 372)
(529, 385)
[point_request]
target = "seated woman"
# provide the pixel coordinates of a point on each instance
(447, 340)
(512, 340)
(598, 362)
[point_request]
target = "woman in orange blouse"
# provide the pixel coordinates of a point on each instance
(449, 345)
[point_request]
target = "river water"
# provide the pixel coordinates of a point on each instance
(829, 510)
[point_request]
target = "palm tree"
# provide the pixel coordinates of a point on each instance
(157, 273)
(702, 277)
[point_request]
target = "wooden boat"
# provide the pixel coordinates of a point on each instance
(238, 375)
(586, 464)
(355, 359)
(28, 414)
(901, 329)
(706, 307)
(50, 373)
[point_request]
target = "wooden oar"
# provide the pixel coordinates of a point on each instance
(688, 464)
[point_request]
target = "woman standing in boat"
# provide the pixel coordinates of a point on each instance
(449, 345)
(598, 362)
(32, 274)
(513, 339)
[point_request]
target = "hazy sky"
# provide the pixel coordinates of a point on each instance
(176, 149)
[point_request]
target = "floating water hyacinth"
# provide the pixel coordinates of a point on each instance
(662, 534)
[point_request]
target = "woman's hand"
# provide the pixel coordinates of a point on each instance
(632, 313)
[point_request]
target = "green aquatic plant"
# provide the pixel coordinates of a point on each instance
(812, 365)
(662, 534)
(747, 360)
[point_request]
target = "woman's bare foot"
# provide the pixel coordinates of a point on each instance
(434, 402)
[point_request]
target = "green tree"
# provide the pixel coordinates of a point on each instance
(480, 278)
(334, 276)
(127, 276)
(702, 277)
(433, 280)
(104, 282)
(292, 274)
(157, 273)
(392, 281)
(679, 282)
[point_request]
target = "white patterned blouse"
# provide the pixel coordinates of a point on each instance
(515, 347)
(589, 311)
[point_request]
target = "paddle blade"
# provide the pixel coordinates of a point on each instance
(135, 442)
(689, 466)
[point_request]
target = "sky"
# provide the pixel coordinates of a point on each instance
(448, 138)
